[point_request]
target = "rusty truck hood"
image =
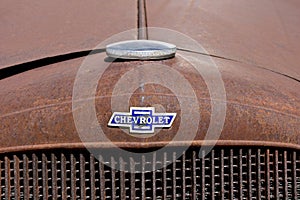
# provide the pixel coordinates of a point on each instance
(255, 45)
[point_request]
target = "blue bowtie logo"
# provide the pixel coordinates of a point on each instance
(142, 119)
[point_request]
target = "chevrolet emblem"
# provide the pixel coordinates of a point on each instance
(142, 119)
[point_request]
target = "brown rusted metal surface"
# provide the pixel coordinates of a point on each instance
(262, 34)
(263, 107)
(37, 108)
(34, 30)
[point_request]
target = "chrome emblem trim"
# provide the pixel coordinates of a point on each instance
(141, 50)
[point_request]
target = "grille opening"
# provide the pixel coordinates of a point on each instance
(224, 173)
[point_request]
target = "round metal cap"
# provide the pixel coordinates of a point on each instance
(141, 50)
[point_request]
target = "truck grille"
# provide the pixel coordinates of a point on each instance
(225, 173)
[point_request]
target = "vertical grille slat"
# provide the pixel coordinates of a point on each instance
(164, 173)
(63, 175)
(231, 174)
(113, 178)
(212, 174)
(153, 175)
(258, 175)
(132, 178)
(54, 176)
(294, 175)
(35, 176)
(183, 176)
(277, 194)
(224, 173)
(1, 179)
(249, 175)
(73, 177)
(7, 177)
(194, 175)
(25, 177)
(174, 175)
(285, 174)
(16, 178)
(122, 178)
(143, 195)
(101, 178)
(240, 174)
(82, 177)
(203, 175)
(45, 176)
(267, 173)
(92, 177)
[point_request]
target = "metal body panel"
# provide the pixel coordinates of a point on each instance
(37, 105)
(260, 33)
(260, 71)
(35, 30)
